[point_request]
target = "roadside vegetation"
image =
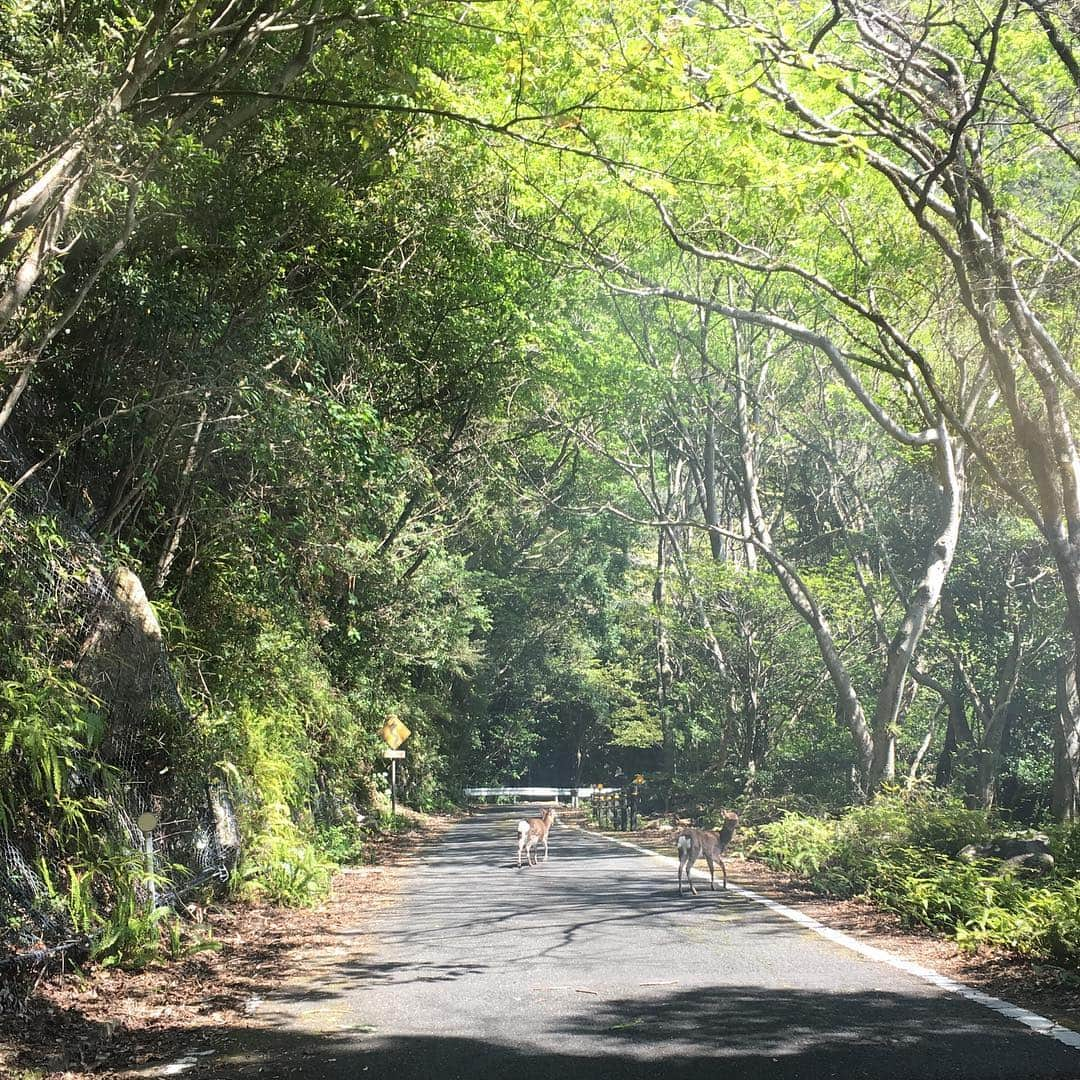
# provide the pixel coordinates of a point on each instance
(900, 852)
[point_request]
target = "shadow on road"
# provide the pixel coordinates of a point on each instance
(740, 1032)
(603, 917)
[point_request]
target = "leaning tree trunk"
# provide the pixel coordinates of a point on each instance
(849, 708)
(184, 496)
(920, 608)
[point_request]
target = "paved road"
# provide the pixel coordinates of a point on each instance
(592, 967)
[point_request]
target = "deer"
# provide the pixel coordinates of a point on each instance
(695, 843)
(533, 831)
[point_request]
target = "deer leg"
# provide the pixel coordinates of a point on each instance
(545, 849)
(724, 869)
(712, 871)
(689, 880)
(521, 844)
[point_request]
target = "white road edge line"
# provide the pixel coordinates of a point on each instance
(1040, 1024)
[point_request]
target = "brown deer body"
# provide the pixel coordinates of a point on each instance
(533, 831)
(696, 843)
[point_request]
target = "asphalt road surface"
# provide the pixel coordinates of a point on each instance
(591, 966)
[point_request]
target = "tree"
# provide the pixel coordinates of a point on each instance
(936, 109)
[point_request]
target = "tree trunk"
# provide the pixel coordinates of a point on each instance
(712, 645)
(754, 735)
(994, 727)
(920, 608)
(1065, 801)
(958, 737)
(916, 762)
(182, 505)
(849, 708)
(664, 670)
(712, 513)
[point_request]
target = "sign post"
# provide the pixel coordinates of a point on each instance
(147, 823)
(394, 757)
(394, 733)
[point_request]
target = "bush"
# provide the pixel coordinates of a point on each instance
(898, 851)
(759, 810)
(291, 873)
(1065, 847)
(346, 843)
(803, 845)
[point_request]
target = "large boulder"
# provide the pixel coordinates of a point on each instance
(1034, 862)
(1029, 853)
(122, 659)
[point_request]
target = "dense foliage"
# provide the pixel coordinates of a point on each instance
(600, 388)
(900, 852)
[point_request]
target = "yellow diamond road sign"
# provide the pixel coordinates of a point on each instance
(394, 732)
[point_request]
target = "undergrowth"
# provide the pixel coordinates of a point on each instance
(899, 852)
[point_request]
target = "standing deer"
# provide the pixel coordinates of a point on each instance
(694, 843)
(532, 831)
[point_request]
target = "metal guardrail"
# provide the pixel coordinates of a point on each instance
(573, 794)
(536, 792)
(612, 807)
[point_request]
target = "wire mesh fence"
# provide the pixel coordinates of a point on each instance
(147, 758)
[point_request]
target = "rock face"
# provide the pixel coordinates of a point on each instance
(109, 637)
(129, 593)
(1027, 853)
(122, 658)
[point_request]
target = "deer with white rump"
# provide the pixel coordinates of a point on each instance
(533, 831)
(696, 843)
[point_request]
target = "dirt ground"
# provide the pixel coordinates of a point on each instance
(111, 1024)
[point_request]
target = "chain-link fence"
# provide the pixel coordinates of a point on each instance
(147, 758)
